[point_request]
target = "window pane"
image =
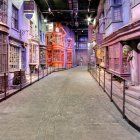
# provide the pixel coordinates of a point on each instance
(117, 13)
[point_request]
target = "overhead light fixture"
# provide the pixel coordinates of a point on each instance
(89, 19)
(45, 20)
(49, 9)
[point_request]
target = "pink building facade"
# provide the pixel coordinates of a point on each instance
(121, 39)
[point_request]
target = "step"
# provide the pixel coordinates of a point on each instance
(129, 100)
(135, 88)
(133, 94)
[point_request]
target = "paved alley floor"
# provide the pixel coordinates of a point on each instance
(66, 105)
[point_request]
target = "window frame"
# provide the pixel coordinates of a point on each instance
(12, 52)
(15, 18)
(113, 15)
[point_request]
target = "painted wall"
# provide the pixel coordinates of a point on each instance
(84, 55)
(126, 11)
(135, 11)
(113, 27)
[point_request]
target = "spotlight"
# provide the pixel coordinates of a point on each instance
(49, 9)
(89, 19)
(45, 20)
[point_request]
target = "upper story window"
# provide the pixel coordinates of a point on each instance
(116, 2)
(14, 17)
(3, 11)
(117, 14)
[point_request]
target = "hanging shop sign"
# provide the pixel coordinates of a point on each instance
(99, 38)
(138, 46)
(29, 9)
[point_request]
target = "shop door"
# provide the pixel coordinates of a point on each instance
(23, 58)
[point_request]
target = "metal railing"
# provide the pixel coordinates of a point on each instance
(8, 87)
(115, 87)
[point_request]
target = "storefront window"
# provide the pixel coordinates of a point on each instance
(3, 11)
(114, 58)
(56, 55)
(33, 53)
(14, 58)
(3, 53)
(42, 56)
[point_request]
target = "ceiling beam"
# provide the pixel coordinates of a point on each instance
(82, 11)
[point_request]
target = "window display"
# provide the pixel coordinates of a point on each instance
(3, 53)
(33, 53)
(14, 58)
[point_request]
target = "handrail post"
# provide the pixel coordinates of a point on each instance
(104, 79)
(38, 73)
(43, 71)
(30, 77)
(99, 75)
(20, 80)
(111, 87)
(47, 70)
(5, 85)
(123, 98)
(96, 73)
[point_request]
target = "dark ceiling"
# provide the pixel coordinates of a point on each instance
(72, 13)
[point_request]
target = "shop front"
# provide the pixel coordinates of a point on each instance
(55, 47)
(42, 56)
(124, 53)
(17, 61)
(33, 55)
(3, 43)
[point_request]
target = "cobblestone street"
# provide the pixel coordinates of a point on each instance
(66, 105)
